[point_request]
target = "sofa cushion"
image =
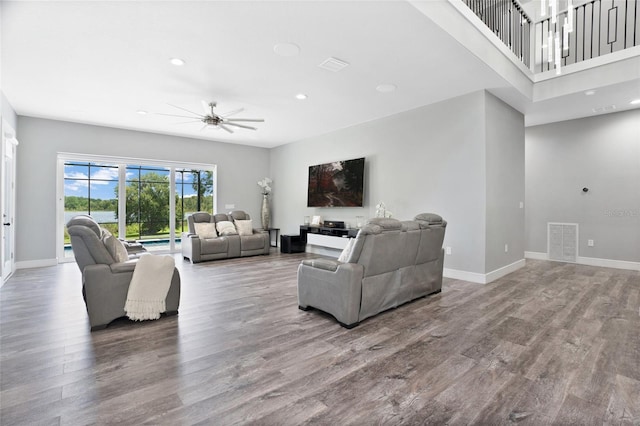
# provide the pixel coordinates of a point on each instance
(430, 218)
(214, 246)
(115, 247)
(219, 217)
(225, 227)
(88, 221)
(205, 229)
(244, 227)
(346, 253)
(252, 242)
(239, 215)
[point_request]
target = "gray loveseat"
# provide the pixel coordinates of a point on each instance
(199, 248)
(391, 263)
(107, 272)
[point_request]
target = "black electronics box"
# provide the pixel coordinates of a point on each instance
(333, 224)
(292, 244)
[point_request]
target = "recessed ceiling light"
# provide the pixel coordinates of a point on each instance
(386, 88)
(142, 112)
(177, 62)
(286, 49)
(635, 102)
(301, 96)
(590, 92)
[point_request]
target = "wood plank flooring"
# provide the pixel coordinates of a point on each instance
(552, 343)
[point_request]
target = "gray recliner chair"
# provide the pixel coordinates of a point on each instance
(107, 272)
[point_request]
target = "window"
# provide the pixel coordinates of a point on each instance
(91, 188)
(157, 198)
(194, 189)
(148, 203)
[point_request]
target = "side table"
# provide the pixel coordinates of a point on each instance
(275, 231)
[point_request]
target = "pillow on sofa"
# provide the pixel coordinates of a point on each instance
(346, 253)
(244, 227)
(205, 229)
(225, 227)
(115, 247)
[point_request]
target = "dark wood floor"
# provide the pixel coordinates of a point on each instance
(552, 343)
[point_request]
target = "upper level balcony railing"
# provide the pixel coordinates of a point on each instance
(507, 20)
(563, 37)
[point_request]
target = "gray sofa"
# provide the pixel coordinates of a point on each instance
(199, 249)
(107, 272)
(390, 263)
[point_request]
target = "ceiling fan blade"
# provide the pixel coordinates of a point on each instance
(174, 115)
(255, 120)
(230, 113)
(187, 122)
(184, 109)
(239, 125)
(225, 128)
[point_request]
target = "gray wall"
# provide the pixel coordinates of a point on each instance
(601, 153)
(239, 169)
(505, 184)
(431, 159)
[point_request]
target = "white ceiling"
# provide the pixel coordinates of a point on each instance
(100, 62)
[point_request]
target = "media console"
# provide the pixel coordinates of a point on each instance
(326, 237)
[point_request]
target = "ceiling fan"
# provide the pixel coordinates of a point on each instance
(213, 120)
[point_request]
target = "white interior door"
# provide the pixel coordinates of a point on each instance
(7, 200)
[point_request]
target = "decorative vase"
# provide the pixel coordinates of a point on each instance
(264, 213)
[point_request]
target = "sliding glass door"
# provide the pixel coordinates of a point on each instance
(147, 202)
(91, 189)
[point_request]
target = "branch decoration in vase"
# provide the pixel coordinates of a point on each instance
(265, 185)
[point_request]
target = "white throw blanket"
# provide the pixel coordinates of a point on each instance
(149, 287)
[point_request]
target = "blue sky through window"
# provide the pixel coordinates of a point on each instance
(104, 180)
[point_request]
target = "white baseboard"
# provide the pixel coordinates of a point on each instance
(505, 270)
(41, 263)
(591, 261)
(475, 277)
(535, 255)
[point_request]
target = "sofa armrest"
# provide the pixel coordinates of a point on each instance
(191, 247)
(118, 268)
(337, 292)
(105, 292)
(326, 264)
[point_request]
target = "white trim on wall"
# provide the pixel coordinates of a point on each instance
(590, 261)
(487, 278)
(40, 263)
(473, 277)
(131, 160)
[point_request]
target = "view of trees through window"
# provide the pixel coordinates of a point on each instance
(93, 189)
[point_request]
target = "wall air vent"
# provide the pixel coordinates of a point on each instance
(333, 64)
(562, 241)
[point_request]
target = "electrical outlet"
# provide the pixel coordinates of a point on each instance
(229, 206)
(448, 250)
(521, 205)
(590, 243)
(506, 248)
